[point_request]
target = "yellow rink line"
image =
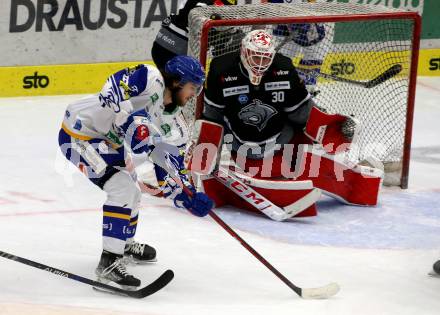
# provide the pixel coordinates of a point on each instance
(89, 78)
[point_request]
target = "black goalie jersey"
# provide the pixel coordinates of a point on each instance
(253, 113)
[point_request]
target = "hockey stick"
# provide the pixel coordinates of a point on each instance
(324, 292)
(150, 289)
(384, 76)
(260, 202)
(264, 205)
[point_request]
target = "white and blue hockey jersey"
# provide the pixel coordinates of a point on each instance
(102, 115)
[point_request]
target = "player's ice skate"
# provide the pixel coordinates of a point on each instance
(435, 272)
(112, 270)
(138, 253)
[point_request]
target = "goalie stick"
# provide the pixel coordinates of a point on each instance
(266, 206)
(323, 292)
(150, 289)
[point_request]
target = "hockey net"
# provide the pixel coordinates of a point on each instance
(360, 43)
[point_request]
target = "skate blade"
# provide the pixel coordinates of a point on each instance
(112, 283)
(101, 290)
(144, 262)
(134, 261)
(433, 274)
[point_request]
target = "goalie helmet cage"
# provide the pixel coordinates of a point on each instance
(361, 42)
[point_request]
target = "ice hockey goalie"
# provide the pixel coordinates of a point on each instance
(282, 145)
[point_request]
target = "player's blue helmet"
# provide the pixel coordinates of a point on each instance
(187, 69)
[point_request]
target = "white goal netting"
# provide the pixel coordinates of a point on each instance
(342, 48)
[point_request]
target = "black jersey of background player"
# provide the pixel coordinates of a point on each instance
(172, 38)
(181, 18)
(253, 113)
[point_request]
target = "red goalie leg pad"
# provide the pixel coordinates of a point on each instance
(280, 193)
(204, 148)
(325, 129)
(347, 182)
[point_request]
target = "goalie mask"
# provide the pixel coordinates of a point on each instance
(257, 53)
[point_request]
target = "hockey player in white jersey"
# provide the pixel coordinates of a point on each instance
(135, 112)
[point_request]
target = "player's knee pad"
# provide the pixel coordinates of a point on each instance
(122, 191)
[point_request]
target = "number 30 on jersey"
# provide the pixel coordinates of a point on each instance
(277, 96)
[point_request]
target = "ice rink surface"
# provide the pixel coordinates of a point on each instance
(380, 256)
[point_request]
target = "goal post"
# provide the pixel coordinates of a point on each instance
(359, 54)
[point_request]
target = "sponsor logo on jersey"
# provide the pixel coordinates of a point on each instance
(110, 100)
(280, 85)
(154, 98)
(78, 125)
(113, 138)
(434, 64)
(236, 90)
(257, 114)
(128, 90)
(229, 79)
(165, 128)
(35, 81)
(142, 120)
(342, 68)
(243, 99)
(166, 39)
(142, 133)
(160, 82)
(281, 72)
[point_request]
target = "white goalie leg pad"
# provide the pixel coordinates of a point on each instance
(294, 196)
(277, 199)
(334, 131)
(203, 151)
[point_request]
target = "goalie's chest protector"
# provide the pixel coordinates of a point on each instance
(257, 113)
